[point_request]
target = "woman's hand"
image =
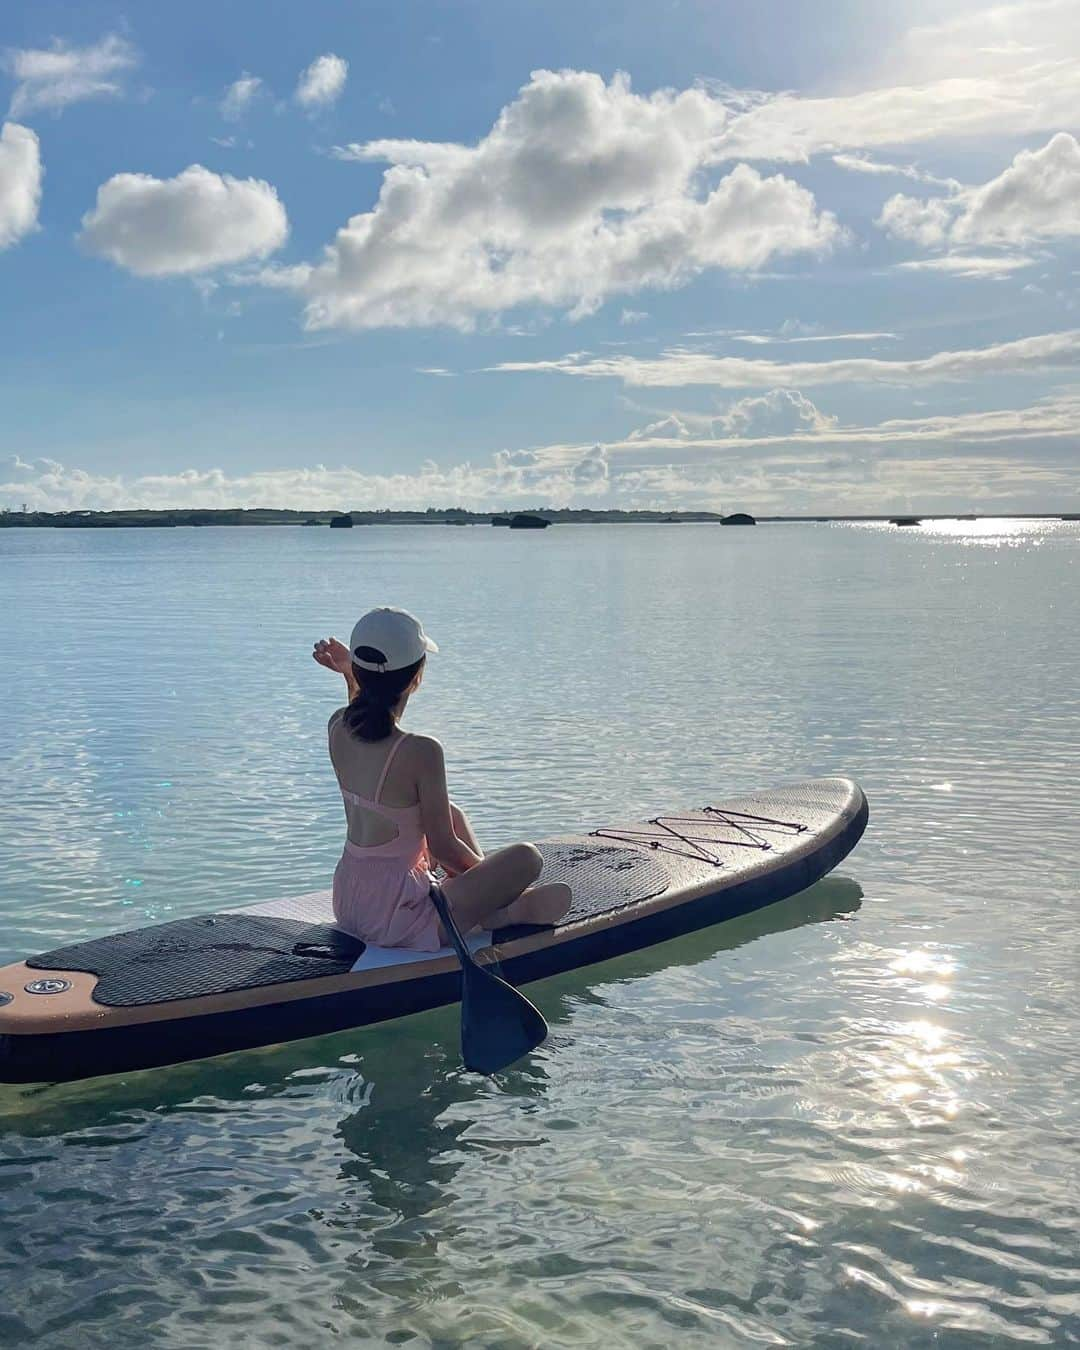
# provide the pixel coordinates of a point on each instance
(334, 655)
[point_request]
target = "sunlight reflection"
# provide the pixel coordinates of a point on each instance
(994, 533)
(923, 963)
(985, 532)
(932, 1037)
(902, 1184)
(935, 992)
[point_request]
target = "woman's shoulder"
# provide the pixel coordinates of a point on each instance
(336, 718)
(424, 749)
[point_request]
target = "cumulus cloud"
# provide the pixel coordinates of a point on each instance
(780, 412)
(178, 226)
(1036, 199)
(21, 173)
(591, 468)
(54, 77)
(323, 81)
(679, 366)
(239, 96)
(921, 222)
(582, 189)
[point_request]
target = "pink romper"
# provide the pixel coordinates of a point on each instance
(381, 890)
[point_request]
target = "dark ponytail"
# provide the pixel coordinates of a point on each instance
(370, 717)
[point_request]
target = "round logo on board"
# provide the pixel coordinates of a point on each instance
(52, 985)
(5, 997)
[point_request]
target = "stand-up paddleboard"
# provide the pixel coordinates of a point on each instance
(280, 971)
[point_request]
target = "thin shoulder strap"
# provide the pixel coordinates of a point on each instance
(387, 762)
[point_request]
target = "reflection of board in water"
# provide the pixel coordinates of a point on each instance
(281, 971)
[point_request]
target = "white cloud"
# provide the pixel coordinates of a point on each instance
(21, 173)
(592, 469)
(198, 220)
(323, 81)
(510, 478)
(779, 415)
(239, 95)
(989, 266)
(863, 163)
(629, 316)
(56, 76)
(580, 191)
(790, 333)
(679, 366)
(1037, 198)
(688, 436)
(922, 222)
(780, 412)
(1024, 82)
(672, 427)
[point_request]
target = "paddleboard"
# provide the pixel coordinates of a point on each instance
(281, 971)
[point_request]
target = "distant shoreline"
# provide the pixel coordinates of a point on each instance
(136, 519)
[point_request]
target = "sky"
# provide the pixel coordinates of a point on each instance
(787, 257)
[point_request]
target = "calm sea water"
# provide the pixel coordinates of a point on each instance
(850, 1119)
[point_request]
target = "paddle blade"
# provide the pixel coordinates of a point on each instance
(498, 1023)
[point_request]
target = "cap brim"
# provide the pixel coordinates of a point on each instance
(429, 646)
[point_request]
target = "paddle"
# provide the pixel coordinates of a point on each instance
(498, 1023)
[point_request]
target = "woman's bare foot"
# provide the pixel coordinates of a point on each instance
(539, 904)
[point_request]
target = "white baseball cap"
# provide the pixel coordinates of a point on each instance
(388, 639)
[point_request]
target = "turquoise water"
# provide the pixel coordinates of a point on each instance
(849, 1119)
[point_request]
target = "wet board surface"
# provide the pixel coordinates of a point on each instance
(280, 970)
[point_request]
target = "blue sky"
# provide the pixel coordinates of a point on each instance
(780, 257)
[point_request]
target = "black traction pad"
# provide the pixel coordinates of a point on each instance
(211, 954)
(603, 878)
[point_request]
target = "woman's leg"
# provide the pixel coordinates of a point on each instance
(538, 894)
(544, 904)
(492, 890)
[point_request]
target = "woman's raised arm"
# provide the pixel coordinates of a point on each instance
(334, 655)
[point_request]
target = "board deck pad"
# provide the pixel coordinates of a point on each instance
(601, 876)
(211, 954)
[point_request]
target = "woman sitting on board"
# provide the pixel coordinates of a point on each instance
(400, 820)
